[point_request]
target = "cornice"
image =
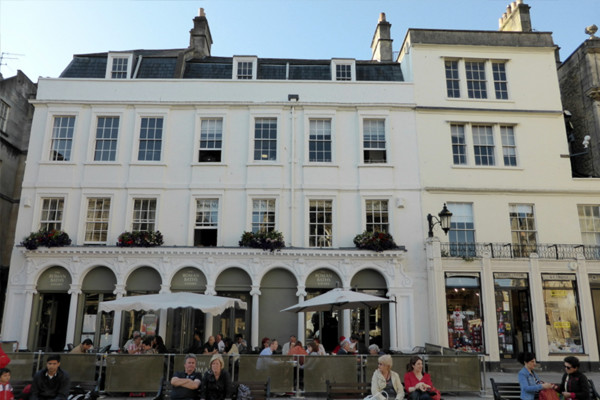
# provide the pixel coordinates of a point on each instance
(175, 251)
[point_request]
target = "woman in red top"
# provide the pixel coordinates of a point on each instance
(298, 350)
(418, 384)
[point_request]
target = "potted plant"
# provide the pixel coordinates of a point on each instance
(376, 241)
(52, 238)
(140, 239)
(266, 240)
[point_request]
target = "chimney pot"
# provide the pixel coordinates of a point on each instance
(201, 12)
(382, 17)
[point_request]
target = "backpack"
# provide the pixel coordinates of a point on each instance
(243, 392)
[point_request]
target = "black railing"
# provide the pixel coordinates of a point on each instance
(509, 250)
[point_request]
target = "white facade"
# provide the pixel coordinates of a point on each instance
(538, 176)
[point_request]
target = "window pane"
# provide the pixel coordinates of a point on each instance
(320, 223)
(452, 81)
(62, 138)
(459, 148)
(374, 141)
(483, 145)
(52, 212)
(377, 216)
(211, 137)
(320, 140)
(343, 72)
(207, 222)
(144, 215)
(523, 230)
(476, 80)
(119, 67)
(107, 133)
(509, 148)
(500, 83)
(263, 215)
(96, 224)
(150, 139)
(265, 139)
(589, 223)
(462, 230)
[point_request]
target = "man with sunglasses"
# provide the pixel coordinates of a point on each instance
(574, 384)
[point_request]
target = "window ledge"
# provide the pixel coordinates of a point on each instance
(376, 165)
(208, 164)
(320, 165)
(464, 99)
(488, 167)
(265, 164)
(113, 163)
(57, 162)
(148, 164)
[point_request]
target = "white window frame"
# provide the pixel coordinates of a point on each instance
(4, 114)
(389, 212)
(386, 129)
(524, 250)
(343, 61)
(201, 120)
(244, 59)
(156, 210)
(274, 210)
(498, 144)
(333, 221)
(588, 218)
(314, 117)
(52, 119)
(252, 137)
(60, 221)
(138, 127)
(219, 225)
(94, 134)
(462, 248)
(109, 65)
(86, 221)
(489, 78)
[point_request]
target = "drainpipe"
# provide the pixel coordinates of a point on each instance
(295, 98)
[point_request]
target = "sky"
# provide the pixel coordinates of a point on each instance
(40, 37)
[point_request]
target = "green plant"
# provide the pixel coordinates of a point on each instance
(52, 238)
(376, 241)
(266, 240)
(140, 239)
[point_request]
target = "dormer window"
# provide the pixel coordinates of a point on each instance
(244, 68)
(119, 66)
(343, 70)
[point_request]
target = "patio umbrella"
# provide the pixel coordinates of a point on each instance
(163, 301)
(338, 299)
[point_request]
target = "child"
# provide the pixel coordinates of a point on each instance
(6, 391)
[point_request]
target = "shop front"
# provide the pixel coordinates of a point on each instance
(326, 325)
(464, 312)
(563, 322)
(236, 283)
(184, 323)
(48, 331)
(371, 324)
(513, 314)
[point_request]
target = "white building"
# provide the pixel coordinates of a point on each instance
(519, 269)
(202, 149)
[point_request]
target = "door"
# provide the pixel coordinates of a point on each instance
(514, 321)
(596, 303)
(52, 321)
(233, 320)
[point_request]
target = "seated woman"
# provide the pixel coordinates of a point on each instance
(529, 382)
(386, 380)
(574, 384)
(216, 382)
(418, 384)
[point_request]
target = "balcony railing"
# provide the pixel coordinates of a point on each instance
(509, 250)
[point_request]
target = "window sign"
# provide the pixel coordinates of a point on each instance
(563, 323)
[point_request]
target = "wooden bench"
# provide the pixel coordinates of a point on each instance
(88, 388)
(512, 390)
(347, 390)
(164, 391)
(259, 390)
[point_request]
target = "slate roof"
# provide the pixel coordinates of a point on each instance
(162, 64)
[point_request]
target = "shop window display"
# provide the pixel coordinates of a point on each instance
(463, 300)
(562, 313)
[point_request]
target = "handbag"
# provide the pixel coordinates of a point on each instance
(548, 394)
(377, 396)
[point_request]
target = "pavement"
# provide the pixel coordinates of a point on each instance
(546, 376)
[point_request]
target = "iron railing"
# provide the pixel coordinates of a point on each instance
(509, 250)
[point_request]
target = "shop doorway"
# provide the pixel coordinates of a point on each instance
(52, 320)
(513, 314)
(236, 283)
(326, 325)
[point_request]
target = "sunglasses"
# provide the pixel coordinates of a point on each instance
(568, 367)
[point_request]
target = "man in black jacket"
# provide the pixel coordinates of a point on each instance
(51, 383)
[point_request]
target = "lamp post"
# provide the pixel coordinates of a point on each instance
(444, 219)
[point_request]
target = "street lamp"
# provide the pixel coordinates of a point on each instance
(444, 221)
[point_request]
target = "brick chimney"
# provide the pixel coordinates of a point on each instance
(200, 38)
(381, 45)
(516, 18)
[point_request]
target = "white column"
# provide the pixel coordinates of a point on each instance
(437, 293)
(301, 293)
(29, 293)
(488, 300)
(393, 323)
(74, 291)
(255, 292)
(162, 318)
(208, 317)
(116, 331)
(588, 328)
(540, 334)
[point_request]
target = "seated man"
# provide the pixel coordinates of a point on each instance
(186, 383)
(84, 347)
(51, 383)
